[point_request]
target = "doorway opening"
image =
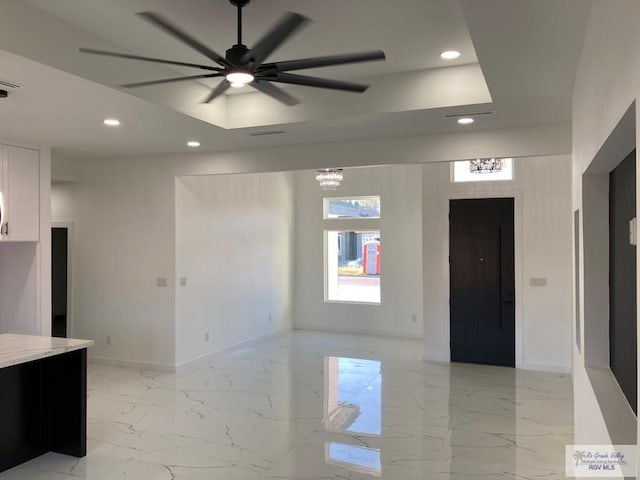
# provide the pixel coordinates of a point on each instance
(60, 280)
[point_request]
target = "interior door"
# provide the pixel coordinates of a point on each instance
(482, 281)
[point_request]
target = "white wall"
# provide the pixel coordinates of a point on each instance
(19, 292)
(607, 83)
(234, 247)
(131, 219)
(123, 212)
(62, 202)
(399, 187)
(123, 215)
(542, 191)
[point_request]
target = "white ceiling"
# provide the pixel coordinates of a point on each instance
(519, 60)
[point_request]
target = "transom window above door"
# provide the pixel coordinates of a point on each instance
(482, 170)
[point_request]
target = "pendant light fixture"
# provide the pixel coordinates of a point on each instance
(329, 178)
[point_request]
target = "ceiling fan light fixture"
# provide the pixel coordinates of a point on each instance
(239, 79)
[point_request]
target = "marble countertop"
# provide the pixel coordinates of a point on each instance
(16, 348)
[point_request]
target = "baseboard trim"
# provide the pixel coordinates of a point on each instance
(431, 357)
(360, 331)
(181, 366)
(540, 367)
(130, 363)
(222, 352)
(435, 357)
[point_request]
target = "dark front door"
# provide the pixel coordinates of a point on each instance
(622, 278)
(482, 299)
(59, 248)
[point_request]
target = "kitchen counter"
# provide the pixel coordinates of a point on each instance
(16, 349)
(44, 397)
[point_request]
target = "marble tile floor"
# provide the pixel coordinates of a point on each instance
(318, 406)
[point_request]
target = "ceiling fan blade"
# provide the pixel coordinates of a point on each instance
(147, 59)
(274, 92)
(175, 31)
(219, 90)
(330, 60)
(316, 82)
(170, 80)
(282, 30)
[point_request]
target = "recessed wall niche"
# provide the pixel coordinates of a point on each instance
(596, 277)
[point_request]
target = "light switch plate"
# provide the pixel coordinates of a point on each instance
(183, 281)
(161, 282)
(538, 282)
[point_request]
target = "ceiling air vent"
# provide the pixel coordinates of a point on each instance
(469, 114)
(270, 132)
(9, 84)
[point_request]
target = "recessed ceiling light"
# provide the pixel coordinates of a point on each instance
(450, 54)
(465, 120)
(193, 144)
(112, 122)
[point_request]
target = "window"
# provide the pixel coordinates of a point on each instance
(482, 170)
(357, 207)
(352, 266)
(352, 256)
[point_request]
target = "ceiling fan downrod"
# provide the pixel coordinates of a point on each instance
(239, 4)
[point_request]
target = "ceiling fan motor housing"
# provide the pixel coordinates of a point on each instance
(239, 3)
(235, 54)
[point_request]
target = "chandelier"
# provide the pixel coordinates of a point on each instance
(329, 178)
(486, 165)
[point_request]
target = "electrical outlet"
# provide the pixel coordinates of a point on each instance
(206, 336)
(161, 282)
(108, 340)
(414, 318)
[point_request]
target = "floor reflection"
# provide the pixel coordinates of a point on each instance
(353, 395)
(360, 459)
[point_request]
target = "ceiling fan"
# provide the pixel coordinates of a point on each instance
(243, 66)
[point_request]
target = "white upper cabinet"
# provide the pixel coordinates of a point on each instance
(20, 194)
